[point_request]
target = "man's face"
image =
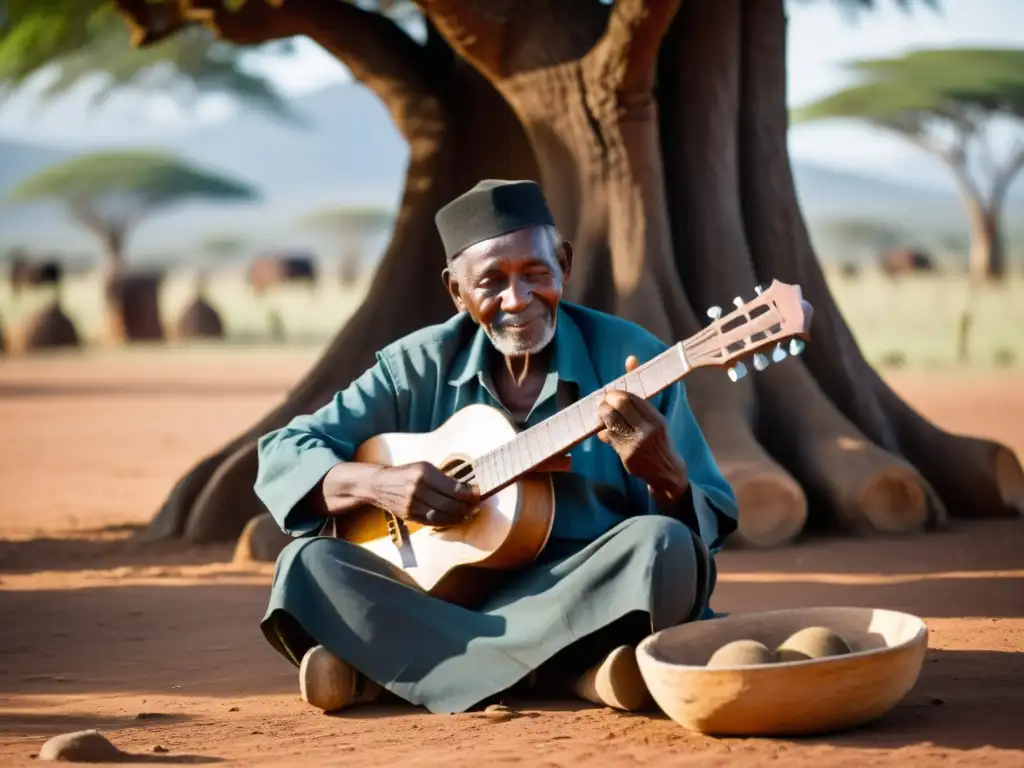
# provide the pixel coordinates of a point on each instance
(511, 286)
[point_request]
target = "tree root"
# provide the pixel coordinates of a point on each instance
(963, 477)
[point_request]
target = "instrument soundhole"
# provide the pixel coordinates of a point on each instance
(459, 468)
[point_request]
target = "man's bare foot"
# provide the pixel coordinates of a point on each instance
(328, 683)
(615, 682)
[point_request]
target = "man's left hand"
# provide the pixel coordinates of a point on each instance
(637, 432)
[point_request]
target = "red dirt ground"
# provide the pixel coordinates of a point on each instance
(160, 645)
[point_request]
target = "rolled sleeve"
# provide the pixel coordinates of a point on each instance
(294, 459)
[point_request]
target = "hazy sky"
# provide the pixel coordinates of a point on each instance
(821, 39)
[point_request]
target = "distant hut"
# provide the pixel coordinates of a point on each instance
(901, 261)
(277, 269)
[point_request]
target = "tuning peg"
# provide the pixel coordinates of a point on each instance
(796, 346)
(737, 372)
(738, 301)
(714, 312)
(758, 289)
(760, 361)
(778, 354)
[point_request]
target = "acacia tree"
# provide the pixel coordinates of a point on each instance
(659, 135)
(351, 226)
(946, 102)
(110, 193)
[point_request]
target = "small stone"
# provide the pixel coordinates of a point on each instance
(159, 748)
(499, 713)
(150, 715)
(232, 709)
(81, 747)
(261, 541)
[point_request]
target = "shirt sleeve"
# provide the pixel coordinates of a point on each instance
(294, 458)
(714, 503)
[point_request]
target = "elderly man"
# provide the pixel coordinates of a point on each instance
(640, 510)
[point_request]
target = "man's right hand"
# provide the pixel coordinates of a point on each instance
(421, 493)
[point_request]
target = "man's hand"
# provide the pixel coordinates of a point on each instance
(421, 493)
(637, 432)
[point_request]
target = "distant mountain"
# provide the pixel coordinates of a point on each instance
(349, 151)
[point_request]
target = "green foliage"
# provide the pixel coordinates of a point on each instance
(222, 247)
(852, 9)
(961, 86)
(79, 40)
(349, 219)
(862, 233)
(142, 180)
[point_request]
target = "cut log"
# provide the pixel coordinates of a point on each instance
(48, 328)
(966, 477)
(133, 306)
(200, 320)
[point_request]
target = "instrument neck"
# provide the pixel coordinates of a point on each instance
(554, 436)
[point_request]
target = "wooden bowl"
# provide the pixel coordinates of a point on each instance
(789, 698)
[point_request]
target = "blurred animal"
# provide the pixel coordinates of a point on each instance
(274, 270)
(25, 273)
(898, 261)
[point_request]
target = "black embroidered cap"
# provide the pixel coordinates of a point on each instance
(491, 208)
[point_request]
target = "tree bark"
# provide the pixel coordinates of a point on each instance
(443, 113)
(581, 80)
(973, 478)
(988, 252)
(859, 485)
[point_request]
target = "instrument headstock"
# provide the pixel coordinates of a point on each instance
(776, 317)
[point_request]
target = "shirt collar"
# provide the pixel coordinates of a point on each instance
(570, 361)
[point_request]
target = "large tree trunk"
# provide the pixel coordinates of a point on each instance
(582, 84)
(988, 248)
(443, 124)
(973, 478)
(708, 204)
(842, 472)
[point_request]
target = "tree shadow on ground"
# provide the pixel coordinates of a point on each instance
(966, 545)
(107, 547)
(195, 639)
(161, 388)
(52, 723)
(963, 700)
(32, 729)
(931, 597)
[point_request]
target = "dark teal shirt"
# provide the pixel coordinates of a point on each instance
(419, 381)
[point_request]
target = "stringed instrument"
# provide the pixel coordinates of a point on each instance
(480, 445)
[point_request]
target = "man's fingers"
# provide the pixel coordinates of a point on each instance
(440, 482)
(446, 505)
(631, 363)
(440, 520)
(613, 419)
(629, 411)
(619, 404)
(424, 513)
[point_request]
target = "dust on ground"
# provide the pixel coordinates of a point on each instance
(159, 645)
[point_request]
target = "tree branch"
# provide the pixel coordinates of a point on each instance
(377, 52)
(1005, 175)
(474, 28)
(628, 50)
(375, 49)
(953, 156)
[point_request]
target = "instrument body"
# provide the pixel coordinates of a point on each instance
(510, 528)
(480, 445)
